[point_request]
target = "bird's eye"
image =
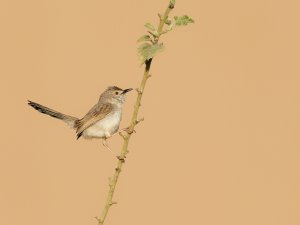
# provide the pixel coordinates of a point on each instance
(116, 93)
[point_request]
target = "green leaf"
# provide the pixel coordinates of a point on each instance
(147, 51)
(142, 49)
(183, 20)
(150, 26)
(144, 38)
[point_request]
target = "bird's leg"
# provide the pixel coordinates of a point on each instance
(121, 158)
(104, 143)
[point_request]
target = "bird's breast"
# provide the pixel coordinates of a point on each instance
(105, 127)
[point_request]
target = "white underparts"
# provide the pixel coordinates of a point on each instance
(105, 127)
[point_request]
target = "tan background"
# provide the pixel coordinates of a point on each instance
(220, 142)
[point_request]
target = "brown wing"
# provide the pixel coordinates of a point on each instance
(98, 112)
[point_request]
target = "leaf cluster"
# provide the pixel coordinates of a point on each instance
(150, 45)
(183, 20)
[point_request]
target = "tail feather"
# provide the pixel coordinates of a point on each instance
(70, 120)
(79, 135)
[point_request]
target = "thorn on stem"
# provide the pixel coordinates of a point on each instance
(121, 158)
(160, 16)
(139, 91)
(131, 132)
(139, 120)
(154, 35)
(122, 135)
(165, 31)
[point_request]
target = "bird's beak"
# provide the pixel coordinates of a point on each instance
(126, 90)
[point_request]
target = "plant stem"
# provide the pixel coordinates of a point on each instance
(134, 122)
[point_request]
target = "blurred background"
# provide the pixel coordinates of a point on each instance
(220, 141)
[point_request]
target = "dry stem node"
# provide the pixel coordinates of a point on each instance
(138, 121)
(159, 16)
(139, 91)
(122, 135)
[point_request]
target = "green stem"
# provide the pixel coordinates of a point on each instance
(134, 122)
(164, 18)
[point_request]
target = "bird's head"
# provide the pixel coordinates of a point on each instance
(114, 94)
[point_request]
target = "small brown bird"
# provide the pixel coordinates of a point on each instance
(101, 121)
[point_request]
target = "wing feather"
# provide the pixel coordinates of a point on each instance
(98, 112)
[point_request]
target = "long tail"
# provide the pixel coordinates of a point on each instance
(70, 120)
